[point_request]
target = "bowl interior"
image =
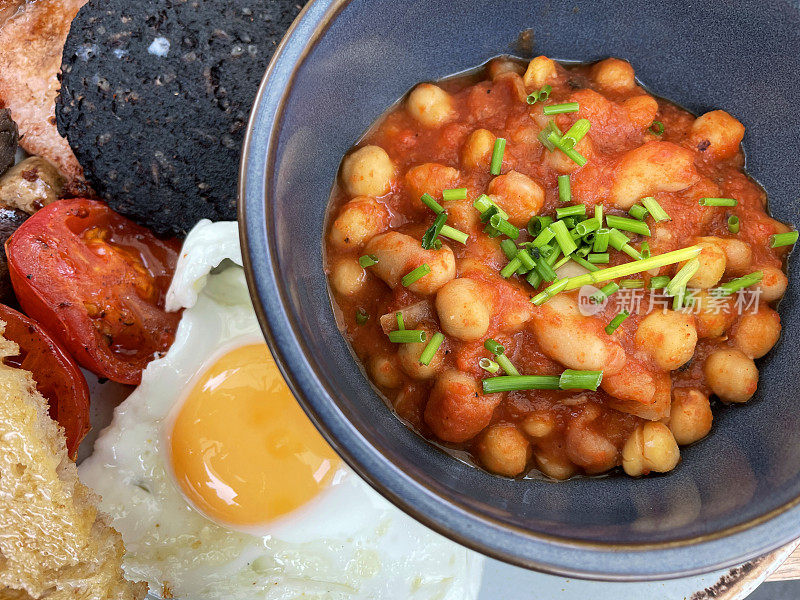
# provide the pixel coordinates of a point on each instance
(339, 77)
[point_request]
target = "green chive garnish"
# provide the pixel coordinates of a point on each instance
(734, 285)
(544, 135)
(626, 224)
(783, 239)
(655, 210)
(537, 224)
(733, 224)
(576, 133)
(575, 156)
(433, 231)
(407, 336)
(509, 383)
(454, 234)
(637, 211)
(617, 321)
(430, 350)
(604, 292)
(558, 109)
(717, 202)
(361, 316)
(504, 227)
(644, 250)
(598, 258)
(682, 277)
(631, 284)
(415, 275)
(368, 260)
(585, 263)
(401, 324)
(580, 380)
(454, 194)
(563, 238)
(570, 211)
(488, 365)
(657, 128)
(429, 201)
(601, 239)
(659, 282)
(526, 259)
(588, 226)
(509, 248)
(564, 192)
(511, 268)
(497, 156)
(494, 347)
(558, 286)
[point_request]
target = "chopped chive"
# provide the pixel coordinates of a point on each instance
(545, 270)
(632, 252)
(658, 282)
(570, 211)
(718, 202)
(361, 316)
(631, 284)
(564, 191)
(487, 215)
(601, 238)
(656, 128)
(572, 154)
(576, 133)
(563, 238)
(544, 237)
(631, 268)
(497, 156)
(580, 380)
(407, 336)
(454, 194)
(562, 262)
(533, 277)
(368, 260)
(483, 203)
(734, 285)
(454, 234)
(733, 224)
(644, 250)
(655, 210)
(504, 227)
(488, 365)
(583, 251)
(637, 211)
(511, 268)
(544, 135)
(783, 239)
(569, 222)
(682, 277)
(415, 275)
(617, 321)
(537, 224)
(585, 264)
(429, 201)
(509, 248)
(509, 383)
(433, 231)
(598, 258)
(616, 238)
(532, 98)
(506, 365)
(401, 324)
(494, 347)
(588, 239)
(559, 109)
(626, 224)
(544, 93)
(526, 259)
(598, 213)
(588, 226)
(491, 231)
(437, 243)
(607, 290)
(552, 290)
(678, 297)
(430, 350)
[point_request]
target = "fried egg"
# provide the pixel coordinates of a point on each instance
(222, 488)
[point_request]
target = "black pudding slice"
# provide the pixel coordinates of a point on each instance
(155, 99)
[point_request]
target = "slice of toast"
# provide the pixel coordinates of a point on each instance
(54, 543)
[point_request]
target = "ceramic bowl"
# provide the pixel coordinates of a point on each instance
(735, 495)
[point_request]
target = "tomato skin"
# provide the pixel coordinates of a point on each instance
(97, 281)
(57, 376)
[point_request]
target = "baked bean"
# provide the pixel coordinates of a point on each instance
(398, 254)
(385, 372)
(348, 277)
(554, 465)
(590, 449)
(539, 424)
(651, 447)
(731, 375)
(462, 215)
(719, 132)
(713, 315)
(690, 416)
(358, 221)
(541, 70)
(614, 74)
(368, 172)
(641, 110)
(649, 169)
(504, 450)
(638, 391)
(772, 285)
(409, 355)
(712, 266)
(463, 309)
(519, 195)
(501, 66)
(430, 105)
(457, 410)
(738, 255)
(430, 178)
(574, 340)
(477, 150)
(758, 332)
(668, 337)
(563, 164)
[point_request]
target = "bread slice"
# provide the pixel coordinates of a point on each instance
(54, 543)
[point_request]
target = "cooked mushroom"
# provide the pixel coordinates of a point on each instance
(9, 139)
(30, 185)
(10, 219)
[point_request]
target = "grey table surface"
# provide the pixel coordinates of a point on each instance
(497, 584)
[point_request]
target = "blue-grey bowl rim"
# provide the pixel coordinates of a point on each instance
(558, 556)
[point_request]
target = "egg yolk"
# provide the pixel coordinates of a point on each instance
(242, 449)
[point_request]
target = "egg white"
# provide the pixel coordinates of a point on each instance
(349, 543)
